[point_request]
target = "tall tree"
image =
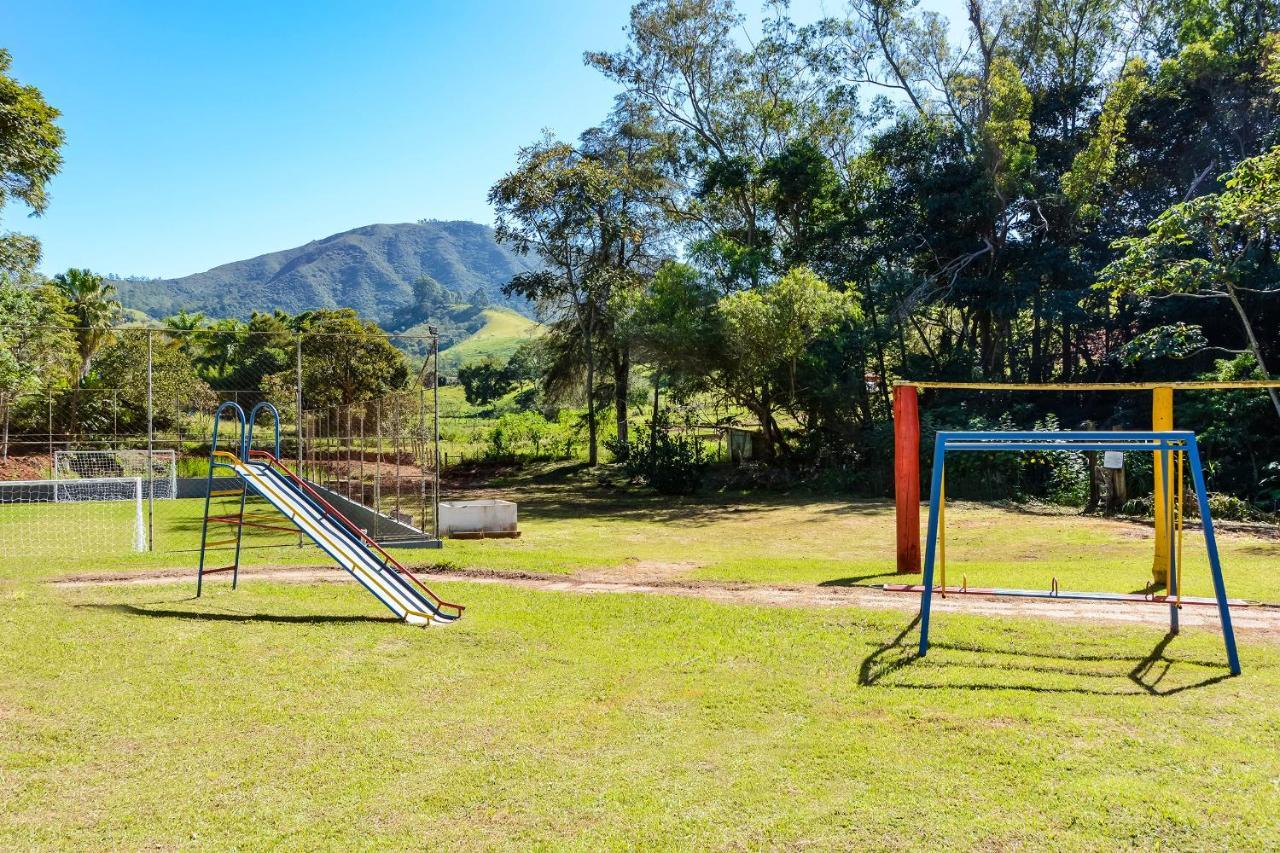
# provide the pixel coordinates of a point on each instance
(588, 211)
(94, 310)
(1220, 246)
(30, 140)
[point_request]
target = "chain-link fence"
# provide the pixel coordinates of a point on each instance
(357, 411)
(378, 453)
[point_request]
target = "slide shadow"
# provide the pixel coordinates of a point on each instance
(158, 613)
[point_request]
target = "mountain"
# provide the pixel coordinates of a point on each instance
(372, 269)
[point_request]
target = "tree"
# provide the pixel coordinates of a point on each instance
(484, 381)
(94, 310)
(1220, 246)
(589, 212)
(766, 332)
(176, 386)
(30, 140)
(346, 360)
(37, 348)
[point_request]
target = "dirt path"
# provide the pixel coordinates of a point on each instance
(1259, 621)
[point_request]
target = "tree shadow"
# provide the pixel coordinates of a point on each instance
(1148, 672)
(155, 613)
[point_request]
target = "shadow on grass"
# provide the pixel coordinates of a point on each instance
(1147, 674)
(156, 613)
(857, 579)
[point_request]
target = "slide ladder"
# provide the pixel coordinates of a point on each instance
(349, 546)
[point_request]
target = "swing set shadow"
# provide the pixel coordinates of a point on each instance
(890, 665)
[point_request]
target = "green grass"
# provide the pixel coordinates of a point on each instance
(501, 335)
(301, 715)
(137, 717)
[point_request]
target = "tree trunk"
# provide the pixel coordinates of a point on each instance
(593, 448)
(1037, 354)
(1254, 346)
(621, 390)
(653, 424)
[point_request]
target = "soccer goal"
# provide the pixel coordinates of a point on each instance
(158, 469)
(99, 515)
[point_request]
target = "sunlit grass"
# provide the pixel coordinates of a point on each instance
(291, 714)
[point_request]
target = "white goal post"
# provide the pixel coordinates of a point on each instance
(82, 516)
(158, 470)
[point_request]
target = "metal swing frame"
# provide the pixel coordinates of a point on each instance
(1170, 446)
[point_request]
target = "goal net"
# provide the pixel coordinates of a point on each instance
(84, 516)
(158, 469)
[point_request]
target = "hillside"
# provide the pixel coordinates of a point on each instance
(371, 269)
(502, 333)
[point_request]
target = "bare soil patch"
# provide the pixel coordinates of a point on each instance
(1259, 621)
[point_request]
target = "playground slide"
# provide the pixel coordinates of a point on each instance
(337, 537)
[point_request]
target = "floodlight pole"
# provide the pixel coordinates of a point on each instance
(151, 448)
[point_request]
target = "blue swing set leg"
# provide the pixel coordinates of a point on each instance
(931, 544)
(1215, 565)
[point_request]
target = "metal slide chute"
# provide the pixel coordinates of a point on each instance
(344, 542)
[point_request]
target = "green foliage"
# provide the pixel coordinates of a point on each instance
(485, 381)
(37, 347)
(121, 367)
(1094, 165)
(346, 359)
(672, 462)
(1007, 131)
(30, 155)
(93, 308)
(531, 435)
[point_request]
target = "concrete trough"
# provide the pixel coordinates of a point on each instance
(485, 519)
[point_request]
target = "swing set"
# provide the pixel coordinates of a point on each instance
(1174, 452)
(1177, 450)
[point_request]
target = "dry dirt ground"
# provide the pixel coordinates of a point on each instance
(1254, 620)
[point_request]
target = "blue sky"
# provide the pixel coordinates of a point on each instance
(199, 134)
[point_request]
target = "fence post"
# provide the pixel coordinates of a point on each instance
(151, 448)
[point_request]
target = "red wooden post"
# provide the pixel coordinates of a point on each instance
(906, 470)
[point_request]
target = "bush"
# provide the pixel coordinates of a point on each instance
(1223, 507)
(672, 463)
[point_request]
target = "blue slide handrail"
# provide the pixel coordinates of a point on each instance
(253, 420)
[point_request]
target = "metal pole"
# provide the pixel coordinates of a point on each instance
(297, 377)
(377, 471)
(53, 469)
(435, 436)
(151, 448)
(298, 381)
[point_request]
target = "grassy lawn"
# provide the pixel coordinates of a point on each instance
(296, 715)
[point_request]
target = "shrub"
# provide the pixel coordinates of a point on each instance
(672, 463)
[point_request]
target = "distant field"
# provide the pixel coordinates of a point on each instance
(502, 333)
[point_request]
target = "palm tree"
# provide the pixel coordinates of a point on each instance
(186, 327)
(92, 304)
